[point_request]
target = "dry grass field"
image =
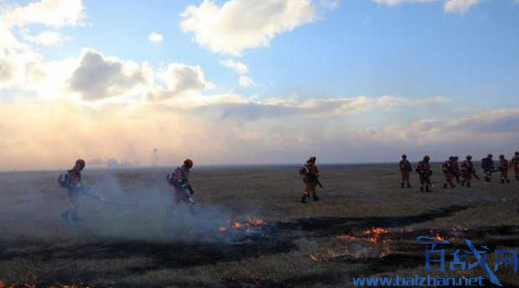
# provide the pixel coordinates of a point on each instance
(364, 226)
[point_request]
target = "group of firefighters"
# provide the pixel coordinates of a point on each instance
(182, 191)
(452, 170)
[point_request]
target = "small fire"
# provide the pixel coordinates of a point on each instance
(222, 229)
(236, 225)
(256, 222)
(436, 235)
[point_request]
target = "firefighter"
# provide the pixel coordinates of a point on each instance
(448, 173)
(515, 164)
(467, 171)
(456, 168)
(74, 186)
(424, 170)
(503, 168)
(405, 170)
(311, 180)
(488, 167)
(182, 190)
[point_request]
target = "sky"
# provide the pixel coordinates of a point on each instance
(256, 81)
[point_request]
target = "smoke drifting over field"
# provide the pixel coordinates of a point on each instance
(139, 208)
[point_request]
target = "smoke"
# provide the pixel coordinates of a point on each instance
(139, 208)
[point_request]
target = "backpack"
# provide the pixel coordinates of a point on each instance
(63, 180)
(172, 178)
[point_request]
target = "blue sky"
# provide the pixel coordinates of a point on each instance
(435, 64)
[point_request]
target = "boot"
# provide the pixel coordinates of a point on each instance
(452, 185)
(487, 179)
(445, 186)
(421, 188)
(303, 199)
(468, 185)
(427, 189)
(402, 185)
(502, 181)
(463, 183)
(517, 177)
(315, 197)
(507, 180)
(408, 185)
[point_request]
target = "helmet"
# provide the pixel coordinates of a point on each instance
(490, 156)
(456, 157)
(404, 156)
(451, 158)
(426, 157)
(516, 153)
(469, 157)
(81, 162)
(188, 163)
(501, 156)
(311, 160)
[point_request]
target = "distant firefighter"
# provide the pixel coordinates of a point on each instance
(72, 182)
(310, 174)
(456, 168)
(405, 171)
(488, 167)
(503, 168)
(448, 173)
(515, 164)
(424, 170)
(468, 171)
(182, 190)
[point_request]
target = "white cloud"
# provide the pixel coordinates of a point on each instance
(246, 81)
(449, 6)
(155, 37)
(98, 77)
(54, 13)
(179, 79)
(329, 4)
(237, 66)
(459, 6)
(243, 24)
(47, 38)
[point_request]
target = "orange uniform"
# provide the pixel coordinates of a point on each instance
(467, 171)
(311, 179)
(424, 170)
(503, 168)
(515, 165)
(448, 173)
(405, 171)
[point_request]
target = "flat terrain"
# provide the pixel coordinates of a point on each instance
(138, 241)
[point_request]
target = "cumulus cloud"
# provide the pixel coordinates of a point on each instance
(54, 13)
(243, 24)
(179, 79)
(459, 6)
(155, 37)
(237, 66)
(47, 38)
(98, 77)
(246, 81)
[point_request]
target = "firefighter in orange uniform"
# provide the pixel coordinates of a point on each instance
(467, 171)
(503, 168)
(448, 173)
(74, 187)
(424, 170)
(405, 171)
(310, 175)
(515, 164)
(456, 168)
(182, 190)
